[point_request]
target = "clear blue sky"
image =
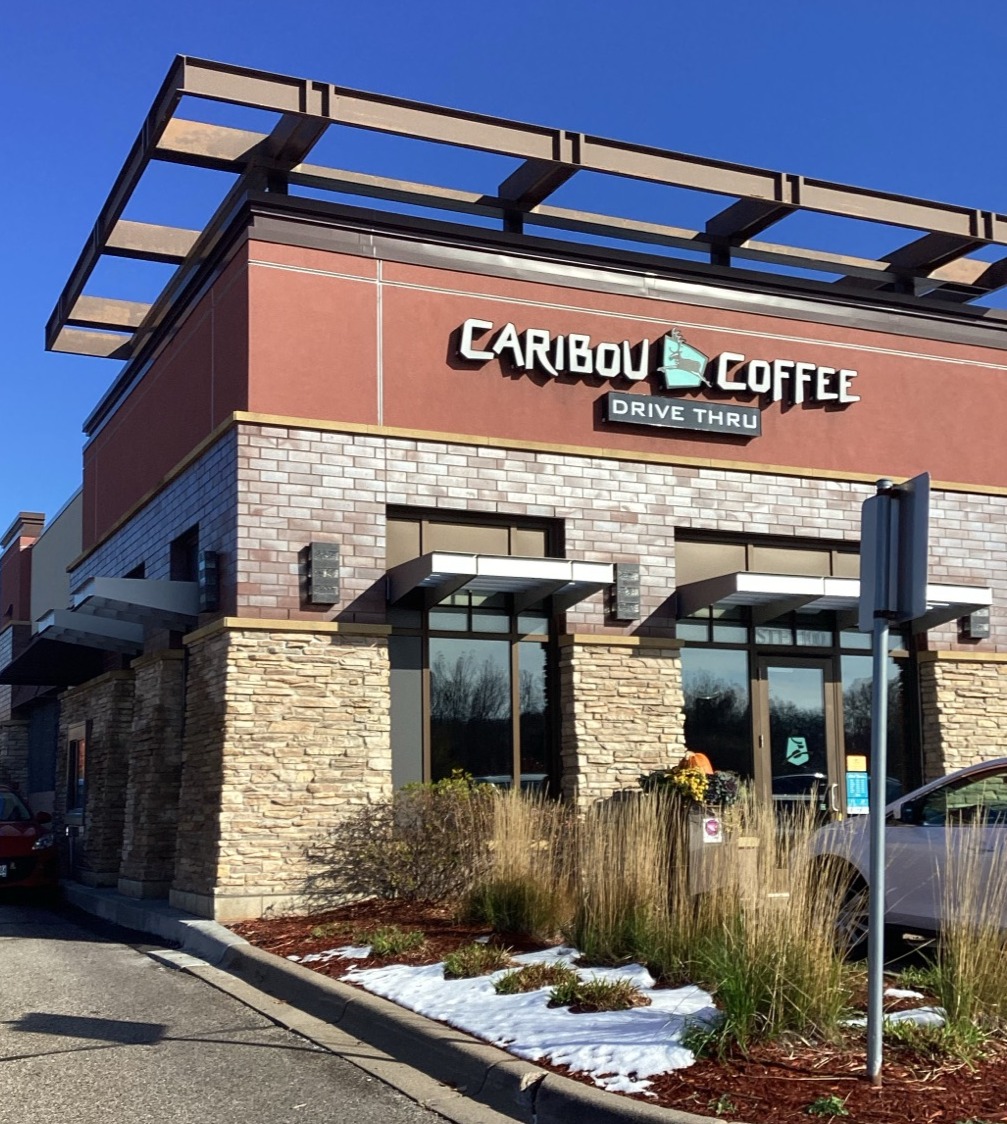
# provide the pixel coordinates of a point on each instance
(901, 95)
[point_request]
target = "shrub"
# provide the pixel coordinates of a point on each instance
(475, 960)
(429, 841)
(588, 996)
(831, 1105)
(534, 976)
(390, 940)
(328, 929)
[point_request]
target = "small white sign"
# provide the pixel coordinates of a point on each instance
(713, 830)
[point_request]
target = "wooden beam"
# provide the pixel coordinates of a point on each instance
(149, 242)
(207, 146)
(104, 345)
(164, 105)
(923, 255)
(746, 218)
(532, 182)
(107, 312)
(291, 140)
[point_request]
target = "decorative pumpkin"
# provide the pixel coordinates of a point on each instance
(697, 761)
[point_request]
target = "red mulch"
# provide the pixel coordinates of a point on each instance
(774, 1085)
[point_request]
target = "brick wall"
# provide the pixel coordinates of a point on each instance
(155, 768)
(14, 748)
(300, 484)
(262, 492)
(622, 715)
(284, 731)
(205, 493)
(106, 703)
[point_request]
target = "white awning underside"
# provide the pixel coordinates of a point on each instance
(774, 594)
(435, 576)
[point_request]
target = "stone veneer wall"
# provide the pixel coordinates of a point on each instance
(285, 730)
(107, 704)
(622, 714)
(14, 746)
(155, 768)
(964, 705)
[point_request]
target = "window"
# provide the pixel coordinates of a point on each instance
(472, 674)
(974, 800)
(76, 768)
(183, 560)
(730, 649)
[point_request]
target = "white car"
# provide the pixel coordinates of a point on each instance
(962, 816)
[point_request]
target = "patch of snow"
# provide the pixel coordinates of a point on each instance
(619, 1049)
(902, 993)
(346, 952)
(922, 1016)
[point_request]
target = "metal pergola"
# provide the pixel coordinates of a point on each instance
(933, 267)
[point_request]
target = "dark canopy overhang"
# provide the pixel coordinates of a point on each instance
(141, 601)
(53, 663)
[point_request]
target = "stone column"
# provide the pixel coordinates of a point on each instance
(14, 747)
(105, 704)
(622, 707)
(285, 729)
(155, 769)
(964, 703)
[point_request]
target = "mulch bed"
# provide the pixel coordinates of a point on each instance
(776, 1083)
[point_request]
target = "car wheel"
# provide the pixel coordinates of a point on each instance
(852, 920)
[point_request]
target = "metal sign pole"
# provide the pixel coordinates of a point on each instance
(895, 529)
(879, 771)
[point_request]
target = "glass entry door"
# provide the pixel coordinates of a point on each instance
(797, 736)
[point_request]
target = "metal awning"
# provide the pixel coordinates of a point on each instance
(771, 595)
(93, 632)
(435, 576)
(53, 663)
(141, 601)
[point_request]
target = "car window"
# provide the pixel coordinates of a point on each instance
(973, 800)
(11, 808)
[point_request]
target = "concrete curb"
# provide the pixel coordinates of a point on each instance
(484, 1073)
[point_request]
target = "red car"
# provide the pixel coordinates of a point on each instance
(28, 858)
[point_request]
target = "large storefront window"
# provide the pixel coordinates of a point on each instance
(787, 702)
(718, 708)
(470, 708)
(472, 673)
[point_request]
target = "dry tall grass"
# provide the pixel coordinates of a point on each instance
(970, 973)
(527, 885)
(632, 894)
(768, 949)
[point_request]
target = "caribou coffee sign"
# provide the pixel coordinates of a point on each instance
(680, 365)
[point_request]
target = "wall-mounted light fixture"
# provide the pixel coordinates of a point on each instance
(321, 573)
(624, 593)
(208, 577)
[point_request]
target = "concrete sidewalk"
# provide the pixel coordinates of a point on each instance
(484, 1074)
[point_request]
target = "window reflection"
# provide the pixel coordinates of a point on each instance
(718, 711)
(533, 708)
(858, 690)
(470, 707)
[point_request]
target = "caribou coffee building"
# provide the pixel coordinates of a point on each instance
(399, 479)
